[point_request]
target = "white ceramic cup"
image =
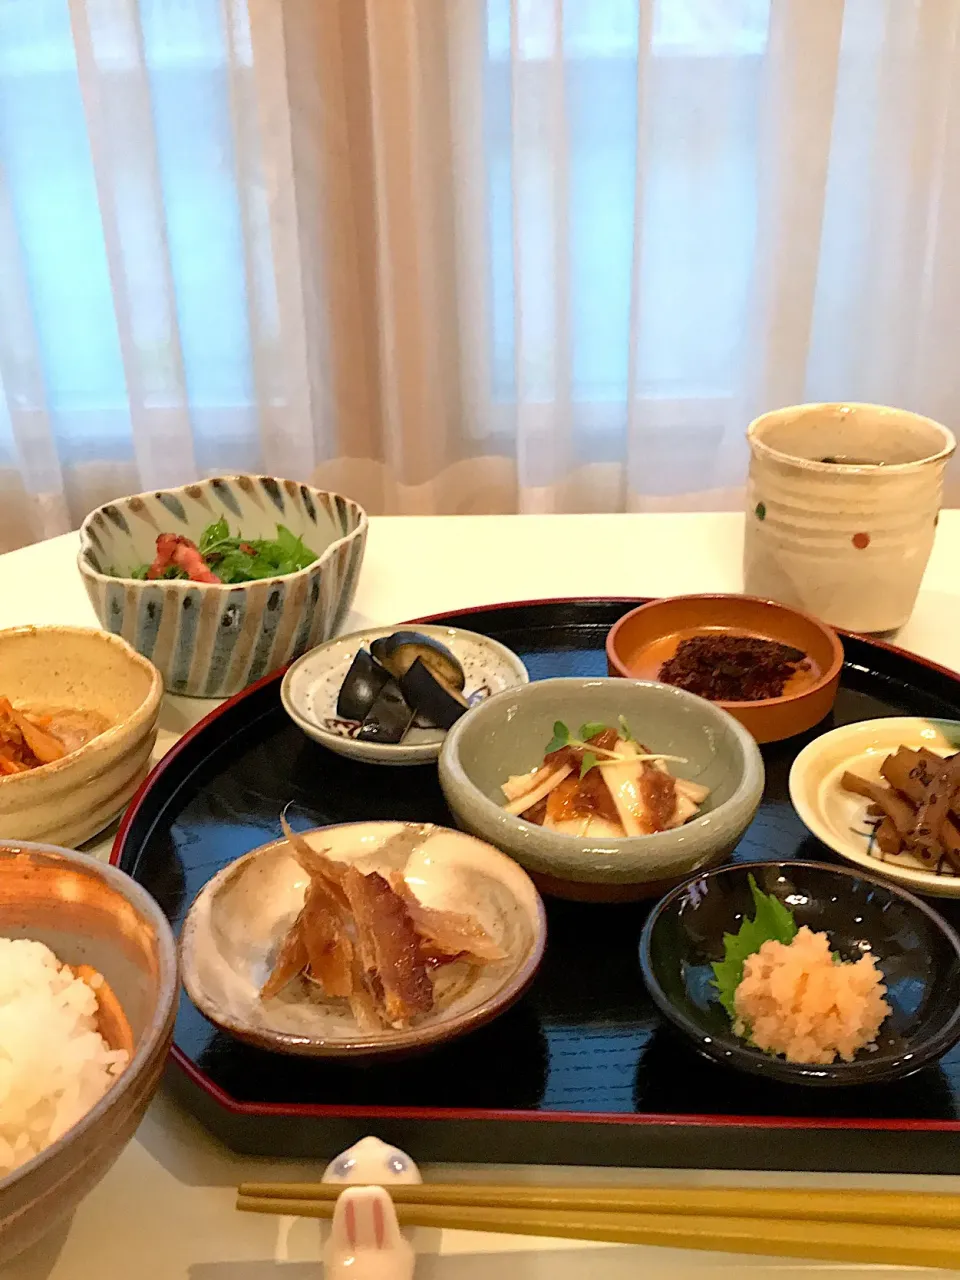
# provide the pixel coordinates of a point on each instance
(846, 540)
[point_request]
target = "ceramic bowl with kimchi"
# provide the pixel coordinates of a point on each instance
(603, 789)
(78, 721)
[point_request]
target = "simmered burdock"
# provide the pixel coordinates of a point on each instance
(916, 805)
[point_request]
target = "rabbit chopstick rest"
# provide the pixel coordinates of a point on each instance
(372, 1163)
(365, 1240)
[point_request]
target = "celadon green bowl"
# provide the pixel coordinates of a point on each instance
(508, 735)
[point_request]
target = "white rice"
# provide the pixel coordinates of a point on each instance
(54, 1064)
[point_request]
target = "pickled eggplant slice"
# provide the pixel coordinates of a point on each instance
(361, 686)
(400, 651)
(388, 719)
(431, 698)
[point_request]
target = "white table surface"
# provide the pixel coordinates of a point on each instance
(165, 1211)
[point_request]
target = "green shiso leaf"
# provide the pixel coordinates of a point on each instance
(772, 921)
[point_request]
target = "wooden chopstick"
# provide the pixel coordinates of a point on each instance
(918, 1209)
(858, 1242)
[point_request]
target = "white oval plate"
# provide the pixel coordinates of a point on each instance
(310, 688)
(235, 926)
(839, 818)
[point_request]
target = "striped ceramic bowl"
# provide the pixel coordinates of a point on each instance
(212, 640)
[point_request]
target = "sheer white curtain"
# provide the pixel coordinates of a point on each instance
(151, 302)
(454, 255)
(703, 209)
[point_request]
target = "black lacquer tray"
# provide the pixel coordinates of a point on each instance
(582, 1071)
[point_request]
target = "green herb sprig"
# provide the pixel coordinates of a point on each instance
(772, 921)
(592, 754)
(234, 558)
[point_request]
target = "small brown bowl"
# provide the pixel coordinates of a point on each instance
(647, 637)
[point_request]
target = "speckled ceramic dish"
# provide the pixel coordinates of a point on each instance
(73, 798)
(839, 818)
(236, 924)
(916, 949)
(311, 686)
(211, 640)
(648, 636)
(508, 734)
(88, 913)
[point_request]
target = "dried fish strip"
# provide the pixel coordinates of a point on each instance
(291, 961)
(447, 933)
(368, 939)
(390, 942)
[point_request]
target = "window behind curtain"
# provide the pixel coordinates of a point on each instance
(698, 201)
(192, 250)
(698, 194)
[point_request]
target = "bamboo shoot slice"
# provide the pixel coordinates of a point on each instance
(623, 783)
(525, 802)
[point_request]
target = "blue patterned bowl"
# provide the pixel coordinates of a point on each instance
(212, 640)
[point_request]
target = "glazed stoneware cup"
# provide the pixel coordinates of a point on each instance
(842, 503)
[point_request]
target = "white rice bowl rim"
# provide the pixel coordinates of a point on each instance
(164, 1012)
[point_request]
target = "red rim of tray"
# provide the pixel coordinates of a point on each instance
(640, 1119)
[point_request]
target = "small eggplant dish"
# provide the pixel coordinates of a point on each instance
(389, 696)
(404, 677)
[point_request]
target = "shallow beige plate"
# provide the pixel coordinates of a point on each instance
(839, 818)
(236, 924)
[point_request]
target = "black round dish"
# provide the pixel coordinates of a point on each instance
(918, 952)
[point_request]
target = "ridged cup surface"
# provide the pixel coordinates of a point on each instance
(846, 542)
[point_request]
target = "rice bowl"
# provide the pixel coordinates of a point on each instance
(93, 918)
